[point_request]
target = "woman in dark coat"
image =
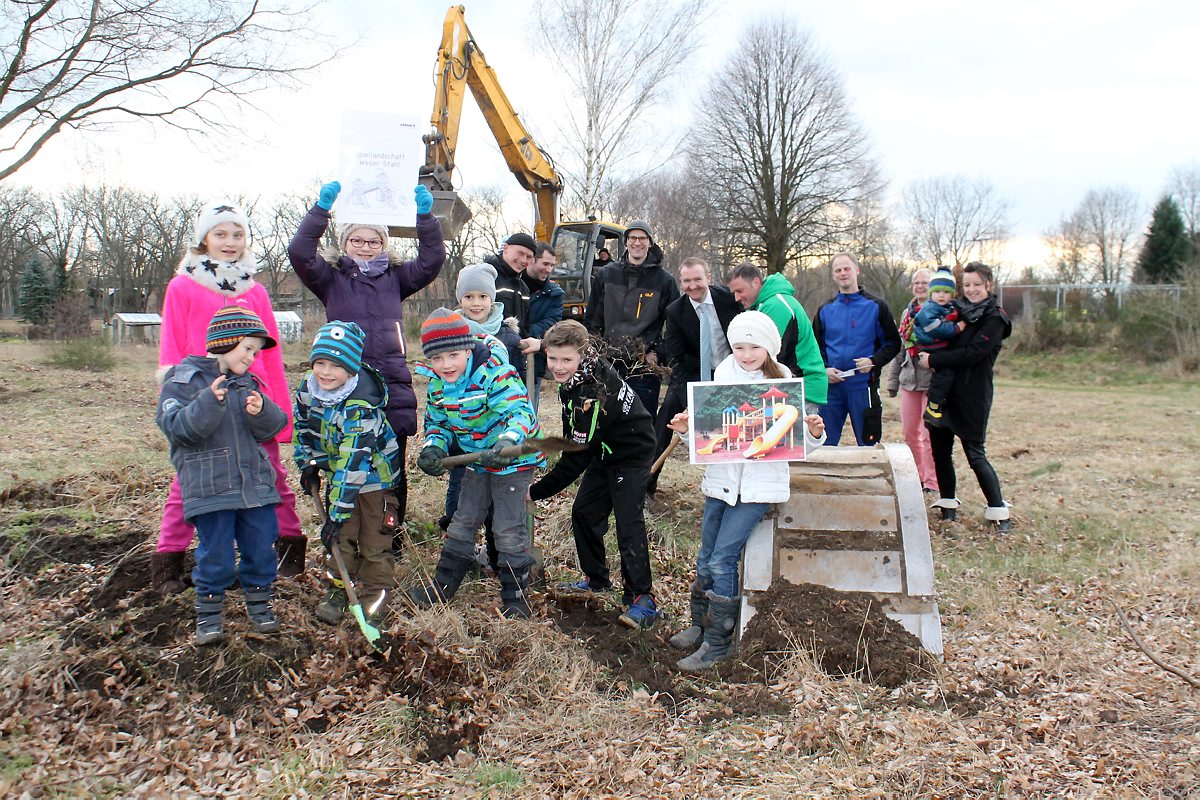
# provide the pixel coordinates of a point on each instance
(971, 355)
(365, 283)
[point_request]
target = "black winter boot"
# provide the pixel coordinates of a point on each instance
(209, 629)
(451, 570)
(513, 585)
(691, 637)
(291, 551)
(258, 609)
(718, 636)
(166, 573)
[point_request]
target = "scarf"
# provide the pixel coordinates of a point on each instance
(973, 312)
(339, 394)
(375, 267)
(589, 362)
(230, 278)
(490, 325)
(908, 334)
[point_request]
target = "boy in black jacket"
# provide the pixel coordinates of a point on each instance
(602, 412)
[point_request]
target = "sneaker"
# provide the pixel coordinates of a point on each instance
(933, 415)
(642, 614)
(333, 605)
(581, 586)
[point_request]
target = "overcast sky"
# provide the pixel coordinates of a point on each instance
(1044, 99)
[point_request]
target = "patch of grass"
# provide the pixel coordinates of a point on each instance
(1046, 469)
(12, 766)
(498, 777)
(89, 355)
(1084, 367)
(296, 777)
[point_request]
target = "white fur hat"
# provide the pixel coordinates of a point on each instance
(755, 327)
(344, 232)
(215, 212)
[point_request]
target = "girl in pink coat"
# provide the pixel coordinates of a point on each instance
(218, 271)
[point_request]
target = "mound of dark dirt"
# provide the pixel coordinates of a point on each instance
(847, 631)
(635, 659)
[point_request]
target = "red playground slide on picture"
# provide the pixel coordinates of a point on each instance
(785, 418)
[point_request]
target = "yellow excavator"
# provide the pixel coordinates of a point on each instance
(461, 65)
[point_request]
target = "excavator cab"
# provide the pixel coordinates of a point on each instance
(576, 245)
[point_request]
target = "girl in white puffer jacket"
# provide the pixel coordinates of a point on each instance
(738, 495)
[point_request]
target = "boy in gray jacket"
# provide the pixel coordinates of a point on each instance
(214, 414)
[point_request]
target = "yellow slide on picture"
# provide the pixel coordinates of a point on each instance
(785, 418)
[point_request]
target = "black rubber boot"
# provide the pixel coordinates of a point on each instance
(949, 514)
(166, 573)
(291, 551)
(691, 637)
(718, 636)
(209, 629)
(514, 603)
(451, 570)
(258, 609)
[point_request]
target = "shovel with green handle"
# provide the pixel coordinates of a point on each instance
(375, 637)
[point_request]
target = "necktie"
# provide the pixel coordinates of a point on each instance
(705, 344)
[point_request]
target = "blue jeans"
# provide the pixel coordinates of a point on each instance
(848, 397)
(254, 530)
(722, 539)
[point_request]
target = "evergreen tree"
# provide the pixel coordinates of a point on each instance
(1167, 248)
(36, 295)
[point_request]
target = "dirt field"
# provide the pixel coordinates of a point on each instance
(1041, 692)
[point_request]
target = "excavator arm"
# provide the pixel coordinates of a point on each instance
(461, 65)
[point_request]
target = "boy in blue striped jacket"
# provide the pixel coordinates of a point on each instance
(477, 401)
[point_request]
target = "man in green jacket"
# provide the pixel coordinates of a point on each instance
(776, 298)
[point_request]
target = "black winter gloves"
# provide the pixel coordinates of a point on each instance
(430, 460)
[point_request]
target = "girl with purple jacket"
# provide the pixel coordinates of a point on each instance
(365, 283)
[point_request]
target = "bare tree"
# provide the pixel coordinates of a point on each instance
(20, 239)
(1184, 186)
(1109, 221)
(674, 202)
(274, 223)
(620, 57)
(954, 219)
(785, 157)
(1068, 250)
(86, 64)
(481, 235)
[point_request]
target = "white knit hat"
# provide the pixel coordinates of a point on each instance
(344, 232)
(215, 212)
(755, 327)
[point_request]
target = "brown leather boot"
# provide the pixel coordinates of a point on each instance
(291, 551)
(166, 573)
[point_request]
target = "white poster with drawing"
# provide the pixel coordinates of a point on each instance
(381, 157)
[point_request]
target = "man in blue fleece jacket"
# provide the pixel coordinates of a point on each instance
(857, 336)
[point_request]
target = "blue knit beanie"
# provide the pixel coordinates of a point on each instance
(341, 343)
(943, 281)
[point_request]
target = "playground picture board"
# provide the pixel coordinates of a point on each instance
(760, 421)
(381, 156)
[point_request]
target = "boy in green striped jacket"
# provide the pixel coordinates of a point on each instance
(341, 429)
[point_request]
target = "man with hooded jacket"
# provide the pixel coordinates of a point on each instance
(628, 307)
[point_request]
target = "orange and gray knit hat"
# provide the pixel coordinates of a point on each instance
(232, 324)
(445, 330)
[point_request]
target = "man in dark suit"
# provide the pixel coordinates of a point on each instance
(681, 340)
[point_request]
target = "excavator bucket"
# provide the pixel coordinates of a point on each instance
(855, 521)
(449, 210)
